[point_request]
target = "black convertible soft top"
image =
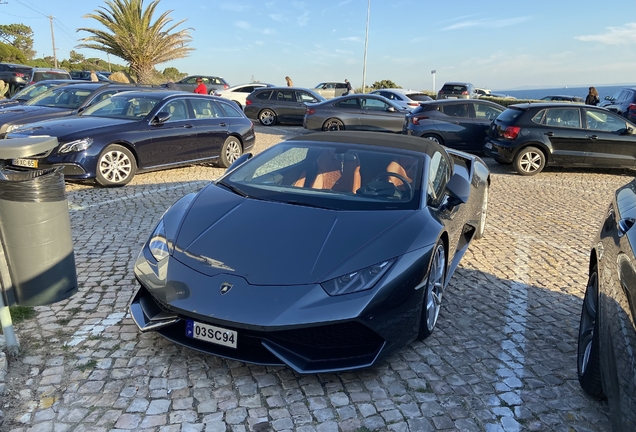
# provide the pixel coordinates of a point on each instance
(378, 139)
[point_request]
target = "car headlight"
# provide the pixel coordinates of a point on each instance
(12, 127)
(76, 146)
(158, 244)
(357, 281)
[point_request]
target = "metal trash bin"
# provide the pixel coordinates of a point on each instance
(35, 234)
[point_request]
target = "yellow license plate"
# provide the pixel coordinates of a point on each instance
(27, 163)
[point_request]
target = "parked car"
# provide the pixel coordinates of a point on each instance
(384, 220)
(31, 91)
(457, 123)
(485, 92)
(622, 102)
(212, 83)
(407, 99)
(279, 104)
(41, 74)
(142, 131)
(563, 98)
(608, 100)
(238, 94)
(16, 75)
(330, 90)
(457, 90)
(355, 112)
(606, 360)
(59, 101)
(86, 75)
(532, 136)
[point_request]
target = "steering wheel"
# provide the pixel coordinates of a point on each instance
(591, 123)
(403, 179)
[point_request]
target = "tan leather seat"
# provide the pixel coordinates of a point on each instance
(335, 172)
(397, 168)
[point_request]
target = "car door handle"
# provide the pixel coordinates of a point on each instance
(187, 125)
(222, 124)
(592, 137)
(550, 134)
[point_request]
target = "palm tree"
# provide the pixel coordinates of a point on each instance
(132, 36)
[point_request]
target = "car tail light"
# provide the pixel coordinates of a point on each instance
(225, 86)
(464, 92)
(511, 132)
(416, 120)
(18, 74)
(632, 107)
(310, 111)
(248, 102)
(414, 104)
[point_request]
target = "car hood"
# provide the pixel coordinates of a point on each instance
(272, 243)
(65, 126)
(28, 114)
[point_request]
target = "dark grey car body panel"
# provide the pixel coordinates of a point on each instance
(276, 262)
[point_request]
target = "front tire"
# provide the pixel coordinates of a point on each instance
(116, 166)
(588, 352)
(333, 125)
(231, 151)
(433, 291)
(529, 161)
(267, 117)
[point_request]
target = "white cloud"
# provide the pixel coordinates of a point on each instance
(303, 19)
(278, 17)
(488, 23)
(352, 39)
(625, 35)
(243, 25)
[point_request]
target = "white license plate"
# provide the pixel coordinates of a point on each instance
(208, 333)
(488, 145)
(29, 163)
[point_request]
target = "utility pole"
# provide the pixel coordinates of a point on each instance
(53, 41)
(366, 42)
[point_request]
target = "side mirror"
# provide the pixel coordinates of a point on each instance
(458, 190)
(608, 98)
(240, 161)
(161, 117)
(625, 131)
(390, 109)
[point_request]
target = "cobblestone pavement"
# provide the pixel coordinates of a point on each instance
(502, 357)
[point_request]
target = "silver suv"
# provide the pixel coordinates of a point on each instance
(457, 90)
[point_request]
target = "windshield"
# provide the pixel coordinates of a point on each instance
(61, 97)
(32, 91)
(333, 176)
(123, 107)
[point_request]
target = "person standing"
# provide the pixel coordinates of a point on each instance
(290, 83)
(349, 88)
(201, 88)
(592, 97)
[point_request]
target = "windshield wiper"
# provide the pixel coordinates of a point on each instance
(234, 189)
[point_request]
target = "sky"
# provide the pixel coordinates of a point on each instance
(495, 44)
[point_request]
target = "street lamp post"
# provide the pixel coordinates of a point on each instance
(366, 43)
(433, 73)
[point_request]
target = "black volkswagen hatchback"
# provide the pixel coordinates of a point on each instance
(531, 136)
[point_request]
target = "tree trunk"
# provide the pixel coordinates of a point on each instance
(143, 73)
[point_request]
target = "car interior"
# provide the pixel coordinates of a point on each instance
(347, 171)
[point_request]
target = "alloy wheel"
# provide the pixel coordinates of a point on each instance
(435, 287)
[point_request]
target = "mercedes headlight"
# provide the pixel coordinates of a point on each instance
(76, 146)
(357, 281)
(158, 244)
